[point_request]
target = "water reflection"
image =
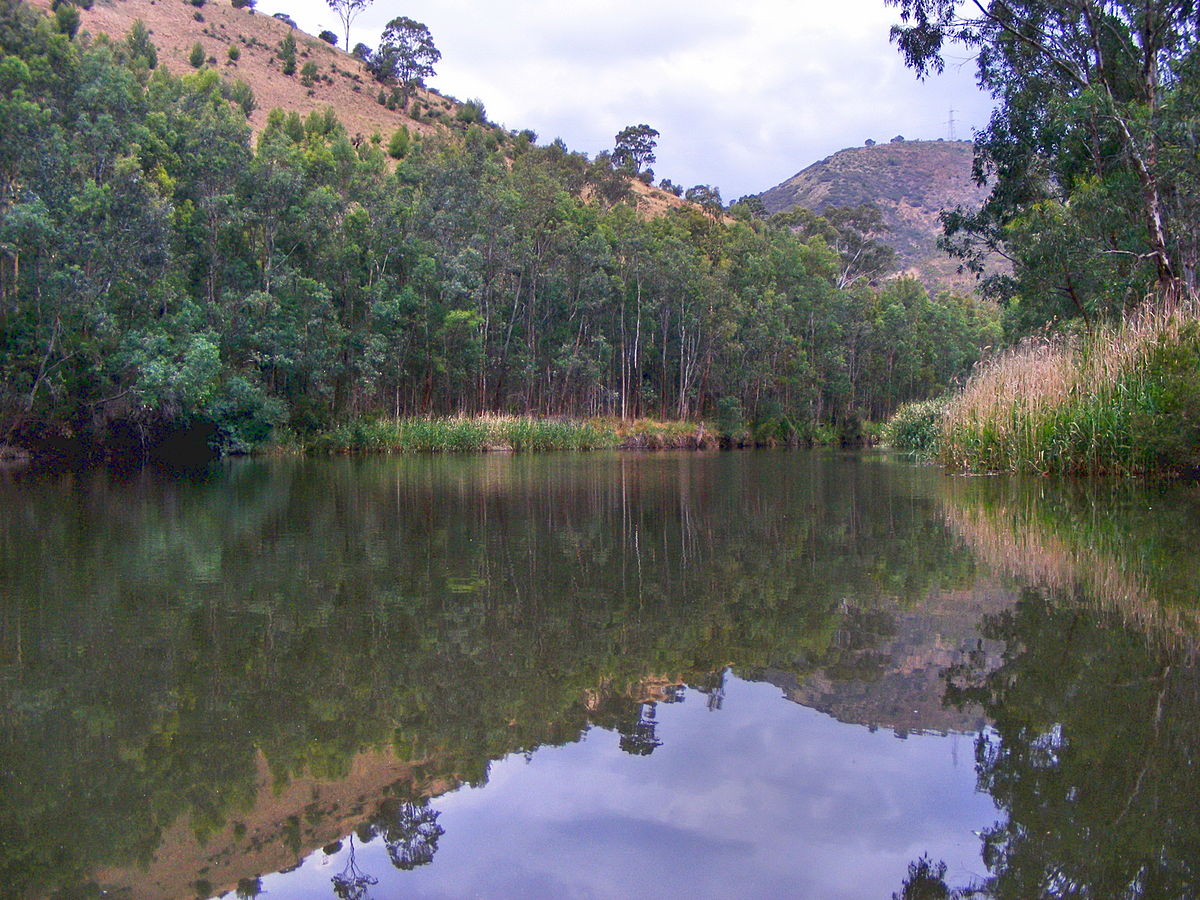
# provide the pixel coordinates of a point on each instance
(212, 678)
(1093, 751)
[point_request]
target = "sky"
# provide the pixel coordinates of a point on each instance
(744, 94)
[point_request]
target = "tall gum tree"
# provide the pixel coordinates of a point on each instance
(1104, 66)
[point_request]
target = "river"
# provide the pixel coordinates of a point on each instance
(757, 674)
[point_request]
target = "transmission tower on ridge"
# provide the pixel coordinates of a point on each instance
(952, 134)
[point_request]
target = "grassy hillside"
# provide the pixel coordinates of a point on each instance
(911, 182)
(342, 82)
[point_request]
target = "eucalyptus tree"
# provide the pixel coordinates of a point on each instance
(406, 55)
(347, 11)
(1094, 93)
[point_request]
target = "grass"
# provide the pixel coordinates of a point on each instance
(463, 434)
(1124, 400)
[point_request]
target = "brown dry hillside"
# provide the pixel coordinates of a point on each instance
(342, 81)
(910, 181)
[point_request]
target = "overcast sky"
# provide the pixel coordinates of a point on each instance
(744, 93)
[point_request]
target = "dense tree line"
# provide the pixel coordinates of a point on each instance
(161, 270)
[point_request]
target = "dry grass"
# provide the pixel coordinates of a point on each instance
(174, 30)
(1069, 405)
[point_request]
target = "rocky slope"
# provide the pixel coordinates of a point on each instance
(910, 181)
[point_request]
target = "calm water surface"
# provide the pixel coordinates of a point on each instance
(703, 675)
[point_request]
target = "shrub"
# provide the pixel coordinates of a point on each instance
(473, 112)
(233, 53)
(241, 93)
(287, 54)
(328, 37)
(196, 57)
(243, 4)
(916, 426)
(398, 145)
(308, 73)
(66, 19)
(731, 424)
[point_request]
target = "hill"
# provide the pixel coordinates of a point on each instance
(342, 80)
(910, 181)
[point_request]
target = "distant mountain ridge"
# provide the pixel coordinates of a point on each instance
(910, 181)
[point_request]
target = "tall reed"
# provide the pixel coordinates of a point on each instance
(1123, 400)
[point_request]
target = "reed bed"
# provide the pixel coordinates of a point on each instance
(474, 434)
(1124, 400)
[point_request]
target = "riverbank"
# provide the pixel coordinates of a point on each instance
(467, 434)
(1123, 400)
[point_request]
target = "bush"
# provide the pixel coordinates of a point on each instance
(196, 57)
(398, 145)
(473, 112)
(240, 93)
(308, 73)
(287, 54)
(66, 19)
(243, 4)
(916, 426)
(234, 53)
(243, 416)
(328, 37)
(731, 425)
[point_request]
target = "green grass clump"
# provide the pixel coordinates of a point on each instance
(1123, 401)
(463, 435)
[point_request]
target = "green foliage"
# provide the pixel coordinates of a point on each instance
(66, 18)
(1166, 426)
(139, 46)
(916, 426)
(308, 73)
(1123, 401)
(197, 56)
(333, 287)
(234, 53)
(406, 54)
(328, 37)
(287, 54)
(1090, 153)
(399, 143)
(473, 112)
(634, 147)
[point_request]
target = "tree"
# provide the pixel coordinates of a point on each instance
(1088, 87)
(329, 37)
(196, 57)
(706, 197)
(139, 46)
(347, 11)
(406, 55)
(634, 148)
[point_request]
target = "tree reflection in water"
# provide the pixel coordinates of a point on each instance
(1091, 759)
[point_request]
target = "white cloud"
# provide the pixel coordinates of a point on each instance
(744, 95)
